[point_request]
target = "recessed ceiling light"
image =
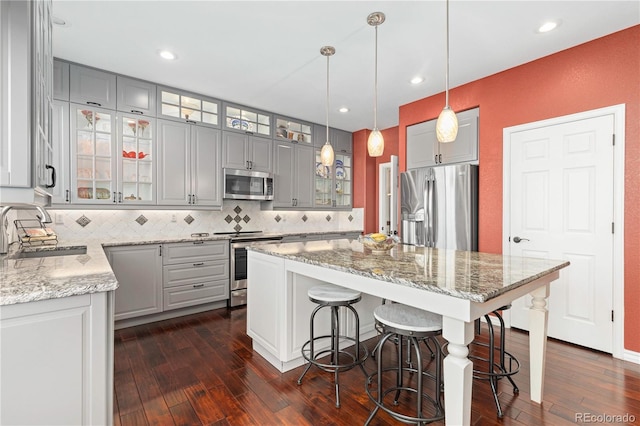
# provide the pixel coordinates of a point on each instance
(168, 55)
(344, 109)
(417, 80)
(59, 21)
(548, 26)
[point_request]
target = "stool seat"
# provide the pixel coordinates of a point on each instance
(407, 318)
(330, 293)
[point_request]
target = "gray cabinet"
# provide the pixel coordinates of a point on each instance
(174, 104)
(293, 180)
(195, 273)
(341, 141)
(424, 150)
(333, 185)
(139, 273)
(293, 130)
(245, 120)
(189, 165)
(60, 80)
(93, 87)
(136, 96)
(244, 151)
(61, 193)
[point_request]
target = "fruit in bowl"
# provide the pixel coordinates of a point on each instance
(379, 243)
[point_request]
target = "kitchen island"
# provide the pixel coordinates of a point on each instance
(461, 286)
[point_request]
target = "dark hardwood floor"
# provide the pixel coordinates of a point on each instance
(200, 369)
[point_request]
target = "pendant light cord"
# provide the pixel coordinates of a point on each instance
(375, 86)
(327, 104)
(446, 77)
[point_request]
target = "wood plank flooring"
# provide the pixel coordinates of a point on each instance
(201, 370)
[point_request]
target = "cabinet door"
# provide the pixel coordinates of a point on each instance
(283, 175)
(93, 155)
(465, 148)
(342, 174)
(60, 80)
(136, 96)
(136, 158)
(323, 183)
(61, 193)
(139, 273)
(260, 154)
(92, 87)
(173, 163)
(320, 135)
(234, 150)
(206, 173)
(304, 176)
(341, 140)
(422, 145)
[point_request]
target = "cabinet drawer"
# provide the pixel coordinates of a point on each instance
(195, 294)
(194, 273)
(197, 251)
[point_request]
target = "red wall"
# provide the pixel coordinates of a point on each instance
(597, 74)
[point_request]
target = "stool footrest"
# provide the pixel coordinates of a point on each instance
(356, 359)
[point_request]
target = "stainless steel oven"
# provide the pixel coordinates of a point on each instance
(238, 268)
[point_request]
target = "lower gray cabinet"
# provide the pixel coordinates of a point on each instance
(195, 273)
(139, 273)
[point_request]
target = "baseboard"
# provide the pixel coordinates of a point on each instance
(131, 322)
(631, 356)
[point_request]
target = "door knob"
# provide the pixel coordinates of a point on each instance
(518, 239)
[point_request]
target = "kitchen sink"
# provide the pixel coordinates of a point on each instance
(50, 251)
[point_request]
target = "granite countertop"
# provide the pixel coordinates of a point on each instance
(467, 275)
(32, 279)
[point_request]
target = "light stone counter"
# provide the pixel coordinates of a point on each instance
(467, 275)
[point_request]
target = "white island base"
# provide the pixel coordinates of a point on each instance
(278, 312)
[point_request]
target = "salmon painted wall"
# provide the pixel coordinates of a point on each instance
(601, 73)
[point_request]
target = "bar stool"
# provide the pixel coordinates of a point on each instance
(328, 295)
(490, 368)
(400, 322)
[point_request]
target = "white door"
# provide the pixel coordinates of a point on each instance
(562, 207)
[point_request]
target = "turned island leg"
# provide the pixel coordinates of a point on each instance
(538, 319)
(458, 371)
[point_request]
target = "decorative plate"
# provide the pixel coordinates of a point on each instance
(239, 124)
(322, 171)
(339, 163)
(339, 172)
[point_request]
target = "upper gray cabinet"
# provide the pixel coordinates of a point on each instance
(191, 108)
(93, 87)
(136, 96)
(341, 141)
(245, 151)
(250, 121)
(60, 80)
(424, 150)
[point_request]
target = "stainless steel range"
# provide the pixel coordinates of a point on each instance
(238, 262)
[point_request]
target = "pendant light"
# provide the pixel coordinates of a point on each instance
(447, 125)
(326, 154)
(375, 143)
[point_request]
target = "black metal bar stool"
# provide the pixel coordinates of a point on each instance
(400, 322)
(328, 295)
(488, 366)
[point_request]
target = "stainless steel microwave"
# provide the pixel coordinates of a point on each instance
(247, 185)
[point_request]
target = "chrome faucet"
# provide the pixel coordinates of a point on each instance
(43, 217)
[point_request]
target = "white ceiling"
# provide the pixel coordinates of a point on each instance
(266, 54)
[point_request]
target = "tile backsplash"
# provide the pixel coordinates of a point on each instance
(235, 216)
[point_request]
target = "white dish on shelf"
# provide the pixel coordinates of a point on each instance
(340, 172)
(321, 170)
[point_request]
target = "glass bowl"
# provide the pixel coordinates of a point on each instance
(379, 243)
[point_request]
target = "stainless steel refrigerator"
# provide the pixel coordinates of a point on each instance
(439, 207)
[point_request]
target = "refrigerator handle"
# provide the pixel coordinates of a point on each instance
(434, 212)
(429, 204)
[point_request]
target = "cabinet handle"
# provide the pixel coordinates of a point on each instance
(195, 199)
(119, 197)
(250, 164)
(94, 103)
(198, 285)
(160, 252)
(115, 200)
(199, 264)
(53, 176)
(435, 159)
(440, 158)
(246, 164)
(135, 111)
(198, 242)
(67, 194)
(249, 133)
(189, 199)
(190, 121)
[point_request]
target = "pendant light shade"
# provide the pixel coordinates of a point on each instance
(375, 143)
(447, 124)
(327, 155)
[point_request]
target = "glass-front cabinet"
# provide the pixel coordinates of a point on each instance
(93, 155)
(136, 143)
(333, 184)
(293, 130)
(174, 104)
(242, 119)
